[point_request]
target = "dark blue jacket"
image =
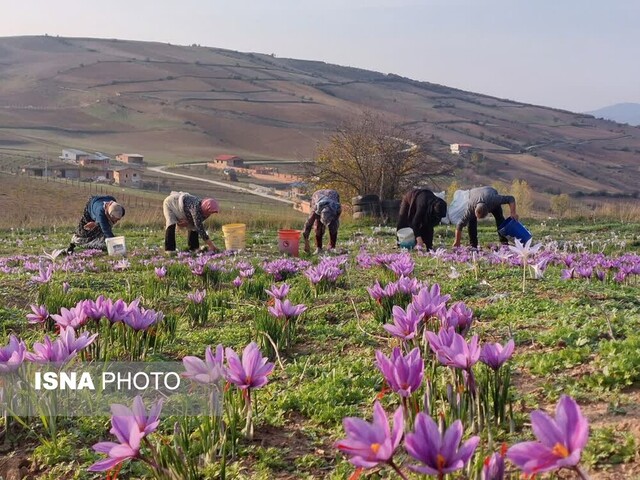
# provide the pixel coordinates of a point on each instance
(99, 215)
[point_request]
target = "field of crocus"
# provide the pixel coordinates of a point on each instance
(370, 362)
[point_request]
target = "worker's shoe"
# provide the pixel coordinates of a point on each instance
(70, 248)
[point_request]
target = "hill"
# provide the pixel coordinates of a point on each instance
(620, 112)
(179, 103)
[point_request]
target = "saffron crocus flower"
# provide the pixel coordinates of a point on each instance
(39, 315)
(439, 452)
(73, 344)
(128, 434)
(403, 374)
(442, 339)
(459, 353)
(72, 317)
(251, 371)
(237, 282)
(495, 355)
(526, 250)
(377, 292)
(405, 323)
(278, 293)
(12, 355)
(146, 423)
(142, 318)
(459, 316)
(369, 444)
(493, 467)
(129, 426)
(207, 372)
(161, 272)
(429, 302)
(65, 287)
(285, 309)
(197, 296)
(560, 440)
(44, 274)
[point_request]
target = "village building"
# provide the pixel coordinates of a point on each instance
(127, 177)
(130, 158)
(459, 148)
(227, 161)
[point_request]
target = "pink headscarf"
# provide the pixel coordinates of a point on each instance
(209, 206)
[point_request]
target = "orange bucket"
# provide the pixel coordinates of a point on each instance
(289, 242)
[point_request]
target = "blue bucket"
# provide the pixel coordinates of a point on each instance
(514, 229)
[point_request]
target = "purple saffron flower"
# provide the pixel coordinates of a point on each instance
(444, 338)
(567, 274)
(197, 296)
(285, 309)
(560, 440)
(369, 444)
(405, 323)
(278, 293)
(207, 372)
(493, 468)
(439, 453)
(73, 344)
(403, 374)
(377, 292)
(252, 371)
(128, 434)
(429, 302)
(44, 273)
(39, 315)
(73, 317)
(402, 266)
(147, 424)
(12, 355)
(460, 354)
(141, 318)
(161, 272)
(459, 316)
(495, 355)
(65, 287)
(237, 282)
(129, 426)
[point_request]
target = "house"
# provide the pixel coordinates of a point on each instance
(73, 155)
(131, 158)
(127, 177)
(228, 161)
(459, 148)
(97, 159)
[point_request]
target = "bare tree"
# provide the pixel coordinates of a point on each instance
(371, 156)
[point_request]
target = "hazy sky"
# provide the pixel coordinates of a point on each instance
(574, 54)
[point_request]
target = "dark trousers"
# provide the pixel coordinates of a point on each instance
(170, 239)
(426, 233)
(473, 227)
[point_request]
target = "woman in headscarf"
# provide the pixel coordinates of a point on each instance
(325, 213)
(100, 214)
(421, 210)
(190, 212)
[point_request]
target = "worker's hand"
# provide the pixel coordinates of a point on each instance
(183, 223)
(419, 242)
(212, 247)
(515, 216)
(307, 247)
(456, 244)
(90, 226)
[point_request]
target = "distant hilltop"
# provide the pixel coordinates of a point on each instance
(620, 112)
(180, 104)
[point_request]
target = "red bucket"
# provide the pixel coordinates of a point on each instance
(289, 242)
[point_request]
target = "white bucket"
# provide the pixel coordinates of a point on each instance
(406, 236)
(116, 246)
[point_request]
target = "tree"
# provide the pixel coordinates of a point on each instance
(371, 156)
(451, 190)
(523, 194)
(560, 204)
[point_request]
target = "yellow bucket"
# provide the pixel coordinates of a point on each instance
(234, 236)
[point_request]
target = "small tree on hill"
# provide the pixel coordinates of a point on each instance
(371, 156)
(560, 204)
(523, 194)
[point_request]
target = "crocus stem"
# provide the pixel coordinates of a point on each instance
(581, 473)
(397, 470)
(249, 426)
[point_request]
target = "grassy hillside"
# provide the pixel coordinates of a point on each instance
(177, 104)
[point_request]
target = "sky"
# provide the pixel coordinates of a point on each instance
(577, 55)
